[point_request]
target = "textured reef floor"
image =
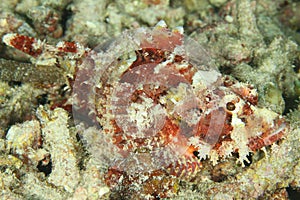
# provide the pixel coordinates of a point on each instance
(238, 70)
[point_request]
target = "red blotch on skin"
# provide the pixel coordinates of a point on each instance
(188, 73)
(268, 137)
(169, 131)
(62, 104)
(246, 94)
(25, 44)
(205, 124)
(163, 39)
(247, 110)
(68, 47)
(148, 55)
(112, 177)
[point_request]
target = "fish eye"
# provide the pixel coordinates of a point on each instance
(230, 106)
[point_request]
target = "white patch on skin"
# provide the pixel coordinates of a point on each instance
(214, 157)
(226, 148)
(203, 148)
(146, 116)
(240, 137)
(205, 78)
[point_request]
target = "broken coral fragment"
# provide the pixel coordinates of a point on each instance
(60, 144)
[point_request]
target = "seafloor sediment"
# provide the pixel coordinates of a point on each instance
(45, 154)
